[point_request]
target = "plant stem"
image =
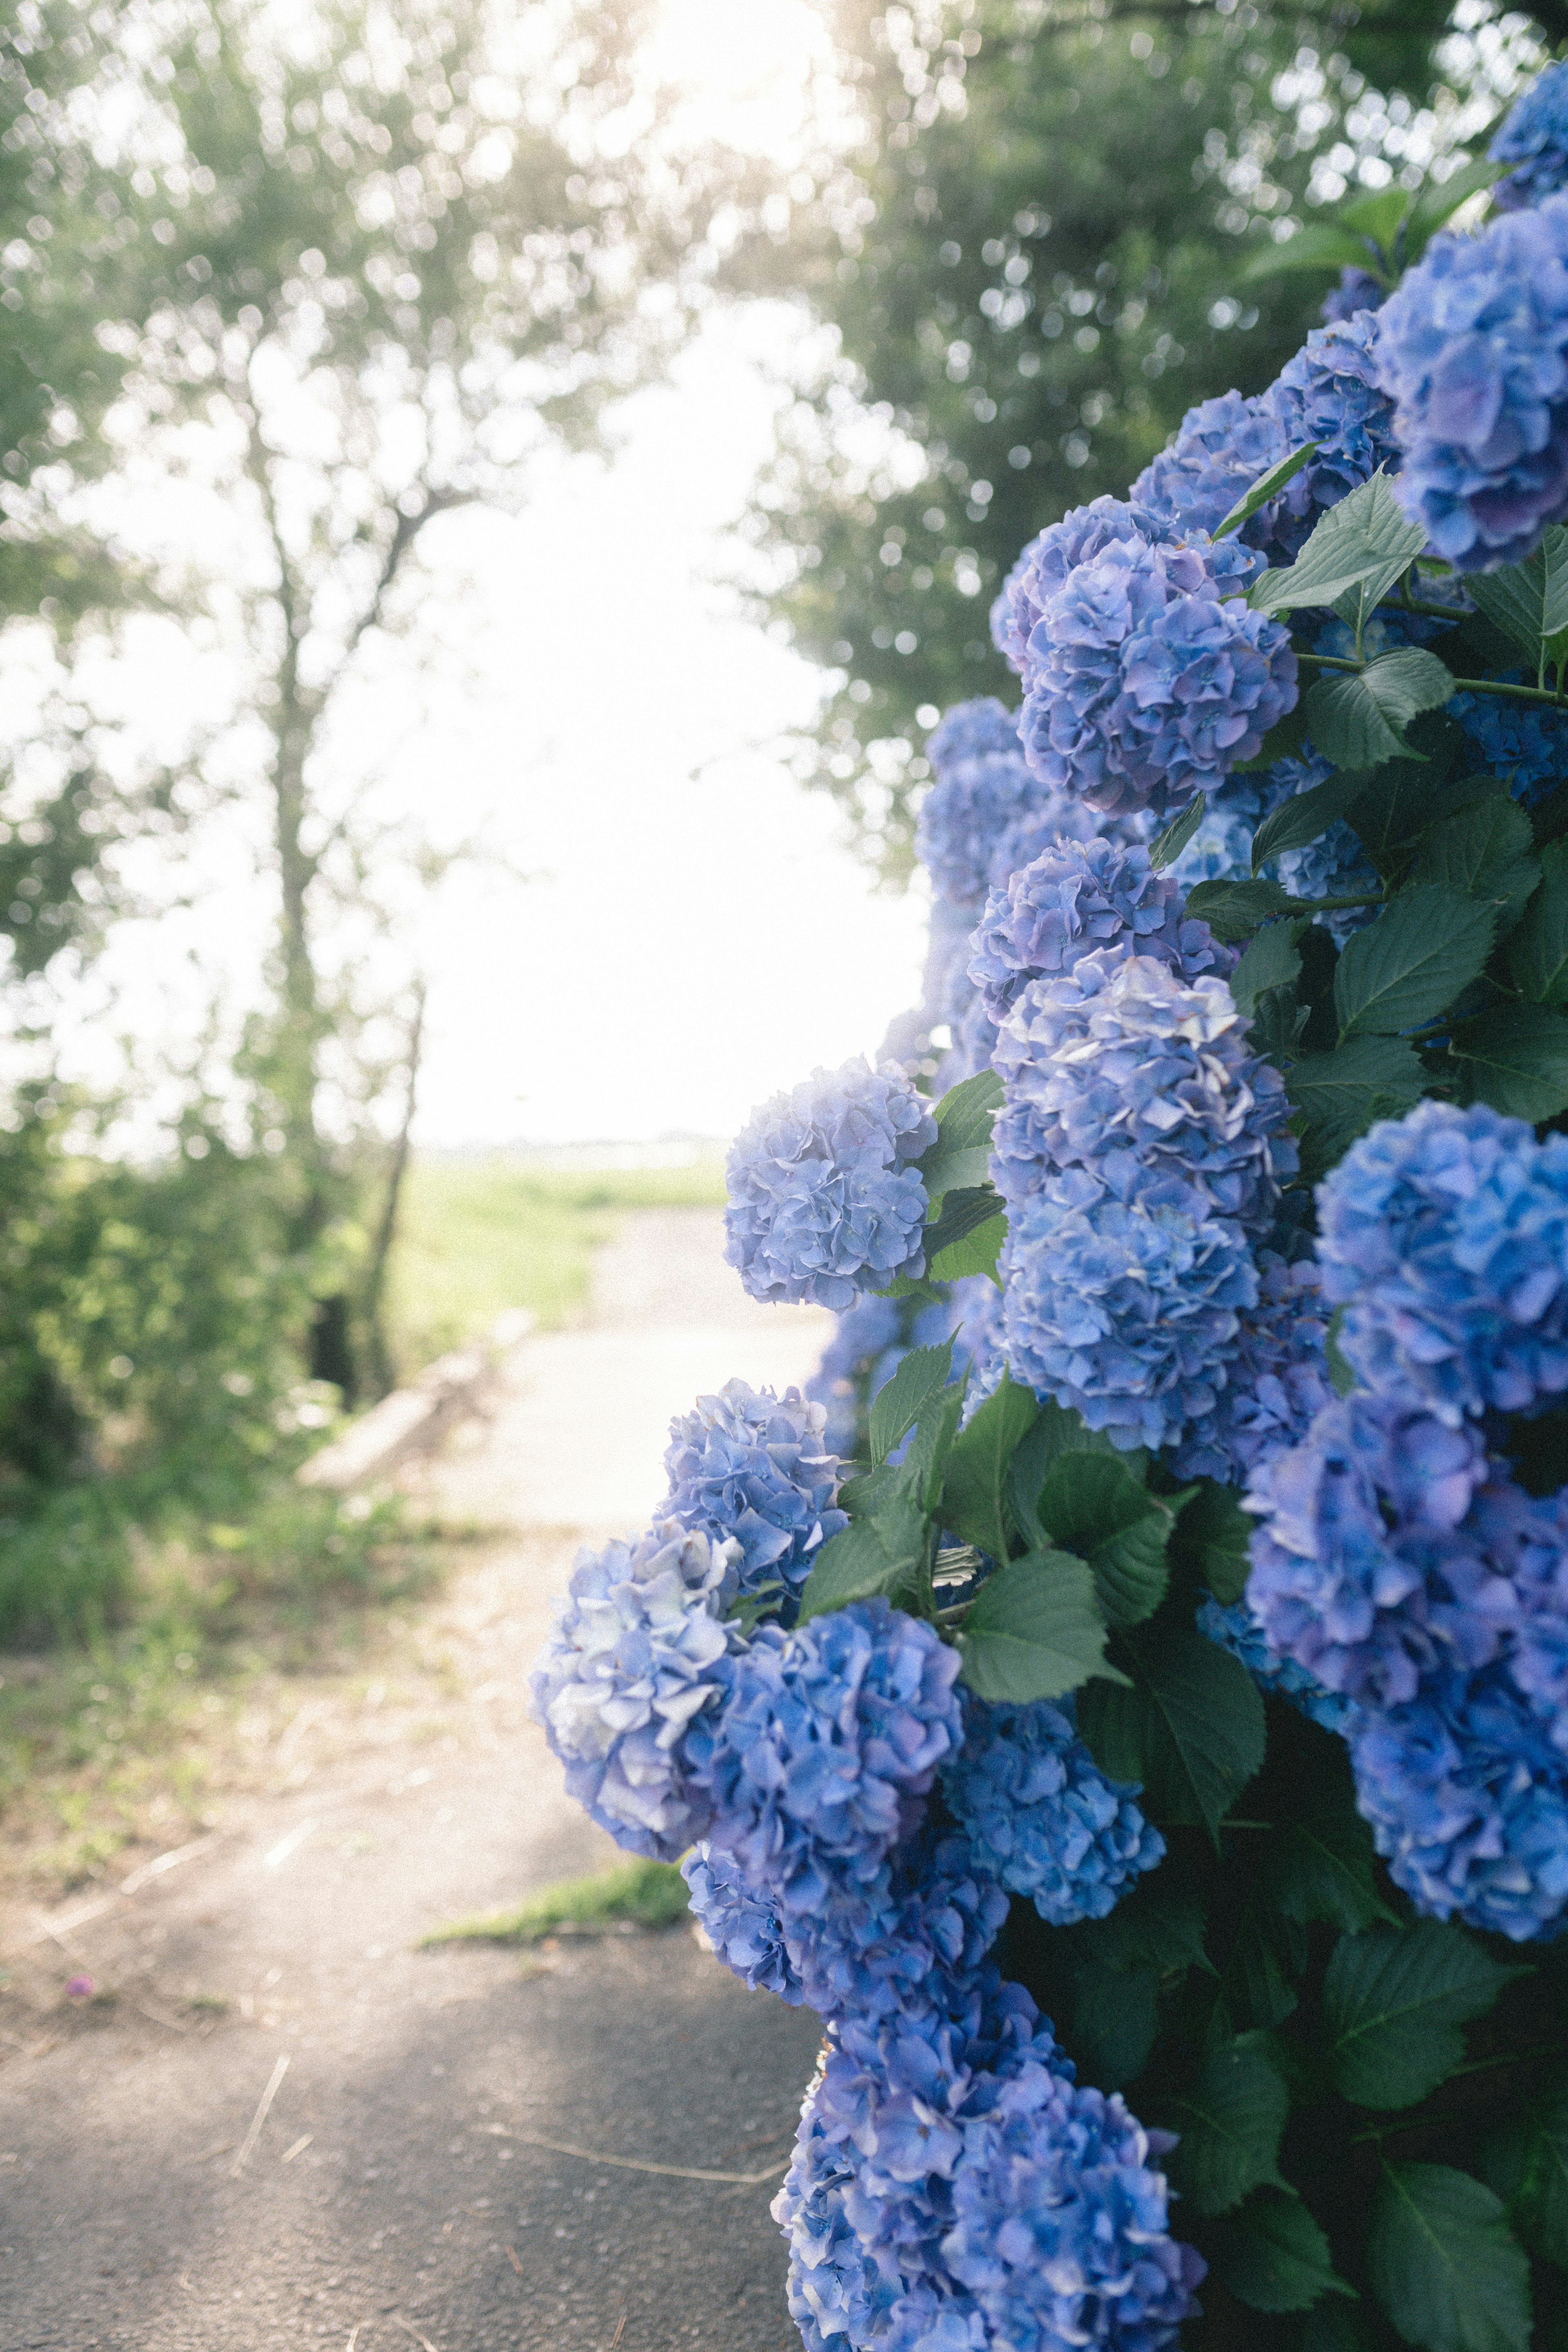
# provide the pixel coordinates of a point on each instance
(1461, 685)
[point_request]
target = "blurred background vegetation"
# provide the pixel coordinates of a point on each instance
(332, 273)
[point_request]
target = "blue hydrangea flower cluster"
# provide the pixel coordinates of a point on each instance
(1525, 743)
(1219, 450)
(1534, 137)
(741, 1923)
(825, 1200)
(1124, 1059)
(1328, 393)
(1039, 1814)
(637, 1654)
(1277, 1377)
(1043, 568)
(1147, 681)
(1473, 347)
(1235, 1629)
(749, 1465)
(972, 730)
(966, 814)
(1078, 898)
(1445, 1239)
(1358, 290)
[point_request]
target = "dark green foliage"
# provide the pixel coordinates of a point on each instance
(973, 1493)
(1274, 2257)
(1393, 2001)
(1443, 2263)
(1190, 1728)
(1033, 1630)
(1232, 2120)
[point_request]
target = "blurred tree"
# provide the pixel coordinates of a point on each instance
(1029, 270)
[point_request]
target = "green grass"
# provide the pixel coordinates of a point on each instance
(478, 1236)
(633, 1893)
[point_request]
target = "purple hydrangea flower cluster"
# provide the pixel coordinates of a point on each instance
(1358, 290)
(1277, 1377)
(1534, 137)
(1445, 1238)
(1075, 899)
(1123, 1059)
(1524, 743)
(1040, 1815)
(1219, 450)
(1043, 568)
(972, 730)
(1329, 393)
(751, 1465)
(1147, 680)
(824, 1199)
(967, 814)
(637, 1654)
(1473, 347)
(741, 1923)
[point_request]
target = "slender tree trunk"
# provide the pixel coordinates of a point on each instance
(376, 1342)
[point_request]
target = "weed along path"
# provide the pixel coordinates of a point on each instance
(277, 2120)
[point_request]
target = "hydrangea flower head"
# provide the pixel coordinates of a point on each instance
(827, 1739)
(1045, 564)
(1147, 681)
(1534, 137)
(1473, 347)
(750, 1464)
(972, 730)
(1123, 1304)
(973, 807)
(1123, 1057)
(1219, 450)
(1236, 1630)
(1276, 1378)
(1525, 743)
(1358, 290)
(1075, 899)
(1039, 1814)
(741, 1925)
(1329, 393)
(636, 1654)
(1445, 1237)
(825, 1200)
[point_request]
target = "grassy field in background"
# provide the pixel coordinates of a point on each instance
(477, 1236)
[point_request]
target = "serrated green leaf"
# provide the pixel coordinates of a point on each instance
(959, 1159)
(1159, 1926)
(1057, 1431)
(1260, 1981)
(1378, 215)
(1526, 2162)
(975, 1478)
(1538, 952)
(1189, 1727)
(1402, 805)
(975, 1253)
(1033, 1630)
(1216, 1528)
(1274, 2257)
(1167, 847)
(1343, 1093)
(1233, 910)
(934, 1434)
(1306, 817)
(1267, 486)
(1394, 2000)
(1365, 538)
(1426, 945)
(1443, 2264)
(1325, 1869)
(1230, 2121)
(1527, 601)
(1487, 852)
(1091, 1504)
(1319, 248)
(1113, 2021)
(885, 1554)
(898, 1404)
(963, 1210)
(1515, 1057)
(1272, 961)
(1441, 198)
(1358, 717)
(1278, 1025)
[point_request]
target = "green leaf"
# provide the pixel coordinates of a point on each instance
(1394, 2000)
(1426, 947)
(1527, 601)
(1440, 198)
(1274, 2257)
(1259, 1984)
(1233, 910)
(1443, 2264)
(1216, 1527)
(963, 1210)
(1092, 1505)
(1339, 2327)
(1358, 717)
(1230, 2124)
(1402, 804)
(1485, 851)
(961, 1156)
(884, 1555)
(1277, 1023)
(1538, 952)
(1379, 215)
(975, 1479)
(1343, 1093)
(1158, 1926)
(749, 1610)
(1527, 2163)
(1057, 1431)
(900, 1401)
(1267, 486)
(932, 1441)
(1305, 817)
(1321, 247)
(1034, 1630)
(1190, 1726)
(1114, 2021)
(1365, 538)
(977, 1253)
(1326, 1869)
(1273, 960)
(1515, 1057)
(1167, 847)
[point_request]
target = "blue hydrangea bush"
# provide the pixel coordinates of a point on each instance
(1127, 1698)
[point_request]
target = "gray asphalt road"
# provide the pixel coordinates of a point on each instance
(394, 2193)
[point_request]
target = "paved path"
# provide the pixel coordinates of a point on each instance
(395, 2194)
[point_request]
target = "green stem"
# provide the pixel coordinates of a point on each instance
(1478, 2066)
(1461, 685)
